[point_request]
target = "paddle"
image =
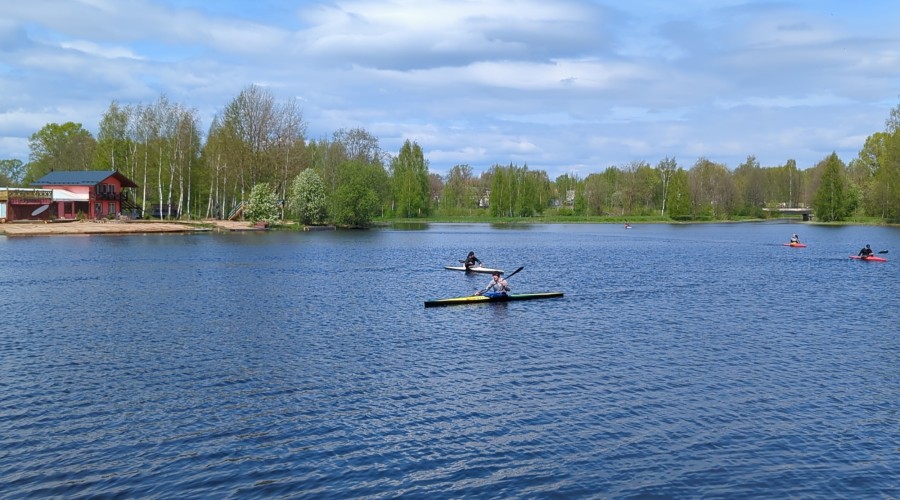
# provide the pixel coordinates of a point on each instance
(523, 267)
(479, 292)
(883, 251)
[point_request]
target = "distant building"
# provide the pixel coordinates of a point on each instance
(63, 195)
(485, 200)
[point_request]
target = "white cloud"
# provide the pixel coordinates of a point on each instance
(94, 49)
(556, 85)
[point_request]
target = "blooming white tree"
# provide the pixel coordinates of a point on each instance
(307, 197)
(263, 206)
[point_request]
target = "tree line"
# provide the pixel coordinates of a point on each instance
(255, 156)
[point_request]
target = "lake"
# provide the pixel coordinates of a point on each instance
(683, 361)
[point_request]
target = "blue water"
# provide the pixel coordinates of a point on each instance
(684, 361)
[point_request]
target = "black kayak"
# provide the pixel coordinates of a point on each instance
(481, 299)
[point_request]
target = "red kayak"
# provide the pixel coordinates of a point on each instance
(871, 257)
(795, 245)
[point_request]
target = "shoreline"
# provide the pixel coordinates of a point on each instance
(103, 226)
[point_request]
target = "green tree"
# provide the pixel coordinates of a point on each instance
(409, 174)
(885, 186)
(887, 178)
(794, 184)
(263, 205)
(639, 184)
(503, 189)
(537, 191)
(862, 171)
(712, 189)
(460, 191)
(307, 197)
(356, 201)
(328, 157)
(750, 187)
(831, 202)
(113, 144)
(59, 147)
(13, 172)
(594, 194)
(646, 190)
(679, 201)
(518, 192)
(263, 139)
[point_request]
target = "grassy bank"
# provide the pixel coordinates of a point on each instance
(605, 219)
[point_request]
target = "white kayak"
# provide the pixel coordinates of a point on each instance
(478, 269)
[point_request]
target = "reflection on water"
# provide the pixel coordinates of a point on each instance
(409, 226)
(683, 361)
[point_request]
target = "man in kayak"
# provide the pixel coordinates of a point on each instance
(866, 252)
(795, 238)
(470, 261)
(496, 288)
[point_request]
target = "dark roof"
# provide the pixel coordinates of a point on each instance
(82, 178)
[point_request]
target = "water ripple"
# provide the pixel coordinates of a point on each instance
(222, 366)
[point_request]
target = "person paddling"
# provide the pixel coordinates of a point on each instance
(795, 238)
(865, 252)
(496, 288)
(470, 261)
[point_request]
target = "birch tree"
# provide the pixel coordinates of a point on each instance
(113, 142)
(665, 168)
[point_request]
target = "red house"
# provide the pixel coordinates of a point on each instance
(94, 193)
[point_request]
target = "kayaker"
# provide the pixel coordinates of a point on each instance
(471, 259)
(496, 288)
(795, 238)
(865, 252)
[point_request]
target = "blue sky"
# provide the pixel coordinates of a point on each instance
(568, 86)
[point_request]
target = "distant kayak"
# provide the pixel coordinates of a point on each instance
(795, 245)
(486, 270)
(482, 299)
(871, 257)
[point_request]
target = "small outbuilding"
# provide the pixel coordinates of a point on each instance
(24, 203)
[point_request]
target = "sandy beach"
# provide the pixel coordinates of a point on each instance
(120, 227)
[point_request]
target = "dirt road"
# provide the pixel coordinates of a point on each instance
(119, 227)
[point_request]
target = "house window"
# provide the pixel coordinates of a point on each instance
(112, 207)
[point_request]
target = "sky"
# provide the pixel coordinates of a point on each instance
(564, 86)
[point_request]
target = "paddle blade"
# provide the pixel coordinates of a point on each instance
(883, 251)
(510, 275)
